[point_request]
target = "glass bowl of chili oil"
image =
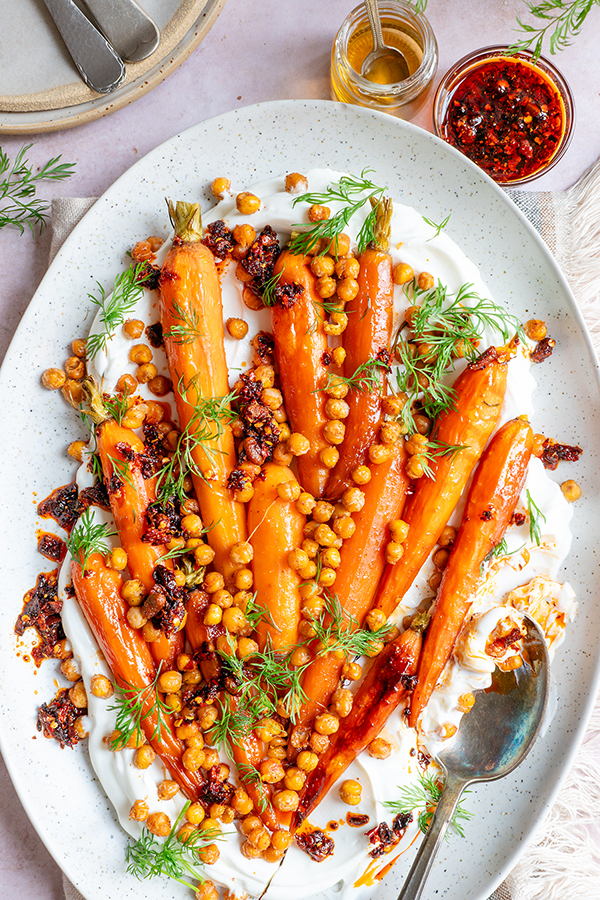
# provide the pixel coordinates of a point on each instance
(511, 114)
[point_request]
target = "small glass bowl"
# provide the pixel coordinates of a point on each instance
(404, 29)
(479, 59)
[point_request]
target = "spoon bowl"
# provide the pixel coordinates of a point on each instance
(492, 740)
(383, 65)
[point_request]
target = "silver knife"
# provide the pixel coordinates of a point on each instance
(130, 30)
(98, 63)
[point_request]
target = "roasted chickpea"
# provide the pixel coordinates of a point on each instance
(414, 467)
(243, 579)
(195, 813)
(271, 771)
(425, 281)
(159, 385)
(447, 537)
(134, 417)
(140, 353)
(393, 552)
(325, 536)
(204, 555)
(379, 748)
(234, 620)
(390, 432)
(78, 346)
(297, 559)
(298, 445)
(337, 409)
(342, 701)
(440, 558)
(126, 385)
(353, 499)
(282, 456)
(318, 213)
(150, 633)
(213, 615)
(76, 450)
(135, 617)
(207, 891)
(339, 246)
(379, 453)
(336, 388)
(139, 811)
(74, 367)
(571, 490)
(70, 670)
(403, 273)
(322, 265)
(267, 729)
(329, 456)
(158, 824)
(398, 530)
(307, 761)
(319, 742)
(286, 801)
(326, 723)
(347, 289)
(352, 671)
(241, 802)
(375, 619)
(220, 186)
(344, 526)
(100, 686)
(536, 329)
(170, 682)
(78, 696)
(247, 203)
(331, 558)
(334, 431)
(73, 392)
(326, 286)
(301, 656)
(289, 490)
(361, 475)
(351, 792)
(144, 757)
(209, 855)
(295, 183)
(339, 355)
(347, 267)
(305, 503)
(167, 789)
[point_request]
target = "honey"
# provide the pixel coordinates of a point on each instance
(386, 89)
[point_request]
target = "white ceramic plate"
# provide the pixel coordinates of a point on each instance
(57, 787)
(40, 88)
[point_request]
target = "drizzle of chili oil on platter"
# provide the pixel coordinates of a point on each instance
(506, 116)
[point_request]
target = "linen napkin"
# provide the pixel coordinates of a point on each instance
(563, 859)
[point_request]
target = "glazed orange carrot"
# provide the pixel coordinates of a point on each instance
(387, 683)
(480, 391)
(275, 528)
(191, 314)
(98, 593)
(362, 563)
(300, 345)
(491, 501)
(367, 343)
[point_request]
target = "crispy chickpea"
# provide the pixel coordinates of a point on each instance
(134, 417)
(78, 346)
(271, 771)
(339, 355)
(70, 669)
(334, 431)
(78, 696)
(244, 235)
(403, 273)
(571, 490)
(159, 385)
(223, 598)
(347, 267)
(76, 450)
(53, 379)
(440, 558)
(167, 789)
(158, 824)
(414, 467)
(344, 526)
(280, 416)
(336, 388)
(272, 399)
(213, 615)
(220, 186)
(313, 605)
(73, 392)
(241, 802)
(318, 213)
(204, 555)
(375, 649)
(301, 656)
(353, 499)
(305, 503)
(289, 490)
(144, 757)
(286, 801)
(361, 475)
(234, 620)
(322, 512)
(281, 840)
(375, 619)
(170, 682)
(294, 778)
(118, 559)
(150, 633)
(207, 891)
(398, 530)
(379, 453)
(390, 432)
(250, 851)
(325, 536)
(297, 559)
(298, 445)
(207, 717)
(295, 183)
(135, 617)
(339, 246)
(195, 813)
(447, 537)
(282, 456)
(241, 554)
(351, 792)
(326, 723)
(309, 545)
(435, 580)
(307, 761)
(147, 373)
(209, 855)
(536, 329)
(260, 837)
(322, 265)
(139, 811)
(133, 329)
(393, 552)
(425, 281)
(352, 671)
(101, 687)
(319, 742)
(329, 456)
(126, 384)
(331, 558)
(347, 289)
(326, 286)
(379, 748)
(237, 328)
(243, 579)
(247, 203)
(267, 729)
(74, 367)
(214, 582)
(140, 353)
(193, 758)
(337, 409)
(342, 701)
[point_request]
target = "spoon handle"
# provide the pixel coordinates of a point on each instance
(375, 23)
(419, 872)
(130, 30)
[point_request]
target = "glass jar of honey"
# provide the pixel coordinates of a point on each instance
(404, 29)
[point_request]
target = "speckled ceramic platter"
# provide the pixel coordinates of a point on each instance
(40, 88)
(57, 787)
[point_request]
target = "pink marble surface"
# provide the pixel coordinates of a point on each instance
(255, 52)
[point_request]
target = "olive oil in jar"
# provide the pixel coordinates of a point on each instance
(403, 29)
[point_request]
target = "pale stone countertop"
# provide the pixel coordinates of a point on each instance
(255, 51)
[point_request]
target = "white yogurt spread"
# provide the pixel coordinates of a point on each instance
(526, 580)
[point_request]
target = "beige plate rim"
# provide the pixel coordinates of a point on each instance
(84, 112)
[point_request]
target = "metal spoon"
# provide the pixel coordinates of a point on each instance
(97, 62)
(383, 65)
(492, 740)
(131, 31)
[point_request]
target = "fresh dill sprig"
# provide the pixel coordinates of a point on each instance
(536, 517)
(354, 193)
(18, 204)
(117, 406)
(424, 796)
(366, 378)
(500, 550)
(208, 421)
(438, 228)
(133, 706)
(564, 20)
(127, 290)
(433, 450)
(268, 295)
(339, 632)
(256, 613)
(149, 857)
(233, 724)
(88, 537)
(250, 775)
(121, 470)
(188, 330)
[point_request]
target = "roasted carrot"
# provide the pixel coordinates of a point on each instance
(367, 343)
(191, 314)
(480, 391)
(130, 494)
(98, 592)
(362, 563)
(491, 501)
(300, 345)
(276, 528)
(388, 682)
